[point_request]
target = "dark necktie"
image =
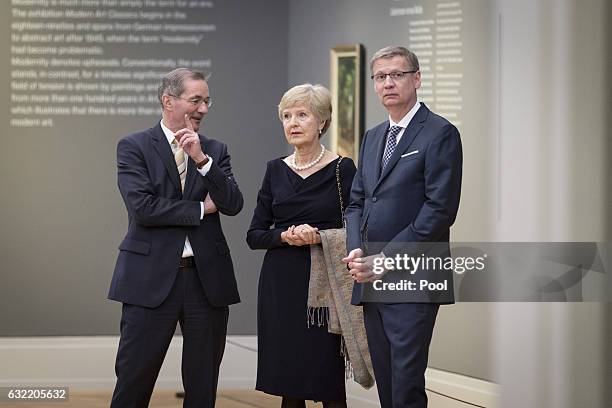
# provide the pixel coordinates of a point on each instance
(391, 144)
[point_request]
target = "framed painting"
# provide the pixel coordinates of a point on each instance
(347, 80)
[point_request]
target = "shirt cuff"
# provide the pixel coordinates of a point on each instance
(204, 170)
(202, 209)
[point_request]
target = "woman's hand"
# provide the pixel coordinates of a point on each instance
(291, 237)
(308, 234)
(301, 235)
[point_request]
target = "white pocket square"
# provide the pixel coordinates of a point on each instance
(409, 153)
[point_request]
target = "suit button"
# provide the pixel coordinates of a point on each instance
(374, 199)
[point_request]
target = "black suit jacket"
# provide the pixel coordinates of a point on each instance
(160, 217)
(415, 198)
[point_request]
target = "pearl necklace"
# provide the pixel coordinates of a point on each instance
(308, 165)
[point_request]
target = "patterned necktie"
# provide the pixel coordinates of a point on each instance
(391, 144)
(179, 159)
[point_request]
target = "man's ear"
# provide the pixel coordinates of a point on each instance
(417, 79)
(166, 102)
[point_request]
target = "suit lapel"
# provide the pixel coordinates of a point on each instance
(162, 147)
(381, 140)
(191, 177)
(192, 172)
(413, 129)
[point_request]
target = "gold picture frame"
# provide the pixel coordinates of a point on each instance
(347, 76)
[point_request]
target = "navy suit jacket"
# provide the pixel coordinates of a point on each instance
(416, 197)
(161, 216)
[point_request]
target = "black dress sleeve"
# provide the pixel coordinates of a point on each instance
(260, 235)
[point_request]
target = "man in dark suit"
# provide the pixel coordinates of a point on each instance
(406, 191)
(174, 264)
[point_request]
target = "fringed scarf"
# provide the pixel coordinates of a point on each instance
(329, 302)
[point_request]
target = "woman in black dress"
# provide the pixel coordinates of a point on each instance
(298, 197)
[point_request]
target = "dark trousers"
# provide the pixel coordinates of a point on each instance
(399, 335)
(146, 334)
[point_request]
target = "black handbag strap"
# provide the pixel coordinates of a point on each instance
(340, 191)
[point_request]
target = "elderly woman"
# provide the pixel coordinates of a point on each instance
(299, 196)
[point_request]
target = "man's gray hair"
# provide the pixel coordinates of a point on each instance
(173, 83)
(393, 51)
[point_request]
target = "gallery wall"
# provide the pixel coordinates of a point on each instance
(533, 115)
(62, 216)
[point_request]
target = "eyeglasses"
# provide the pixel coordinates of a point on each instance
(196, 101)
(395, 76)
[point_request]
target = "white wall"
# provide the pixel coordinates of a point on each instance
(550, 186)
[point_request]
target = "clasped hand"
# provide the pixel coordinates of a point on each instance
(362, 268)
(303, 234)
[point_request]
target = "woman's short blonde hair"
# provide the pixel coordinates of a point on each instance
(316, 98)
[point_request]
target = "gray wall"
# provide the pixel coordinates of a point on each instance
(62, 216)
(554, 186)
(606, 394)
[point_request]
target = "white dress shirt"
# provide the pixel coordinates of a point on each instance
(187, 250)
(405, 120)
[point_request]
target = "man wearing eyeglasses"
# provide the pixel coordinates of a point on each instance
(174, 264)
(406, 191)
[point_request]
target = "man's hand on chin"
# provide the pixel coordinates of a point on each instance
(189, 140)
